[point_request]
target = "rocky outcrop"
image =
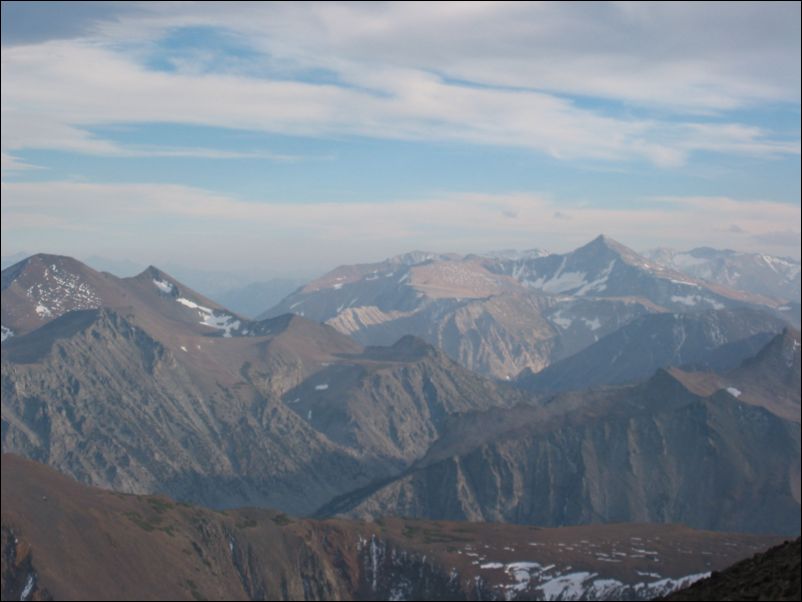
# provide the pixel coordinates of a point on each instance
(771, 575)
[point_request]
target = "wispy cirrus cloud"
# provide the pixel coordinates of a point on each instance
(462, 80)
(11, 164)
(690, 56)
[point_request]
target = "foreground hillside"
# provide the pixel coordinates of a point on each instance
(771, 575)
(64, 540)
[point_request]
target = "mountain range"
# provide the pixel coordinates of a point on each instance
(590, 390)
(777, 277)
(501, 315)
(163, 390)
(240, 291)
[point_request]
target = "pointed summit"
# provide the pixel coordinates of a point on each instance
(605, 246)
(781, 356)
(410, 346)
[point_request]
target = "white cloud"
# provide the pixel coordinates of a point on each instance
(684, 56)
(50, 97)
(11, 164)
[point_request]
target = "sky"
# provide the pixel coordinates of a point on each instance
(285, 138)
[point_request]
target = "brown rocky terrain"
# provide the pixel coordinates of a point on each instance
(63, 540)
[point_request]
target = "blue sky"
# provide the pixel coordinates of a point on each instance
(286, 137)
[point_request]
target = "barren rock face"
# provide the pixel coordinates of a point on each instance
(283, 412)
(652, 452)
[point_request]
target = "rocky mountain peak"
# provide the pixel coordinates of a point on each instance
(603, 248)
(412, 346)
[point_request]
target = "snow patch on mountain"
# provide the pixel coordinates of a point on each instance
(593, 324)
(692, 300)
(598, 285)
(567, 587)
(562, 282)
(560, 321)
(546, 584)
(491, 565)
(213, 318)
(27, 589)
(686, 260)
(61, 291)
(165, 287)
(685, 282)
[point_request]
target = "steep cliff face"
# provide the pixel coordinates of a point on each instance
(653, 452)
(770, 379)
(390, 403)
(775, 374)
(289, 418)
(180, 552)
(498, 335)
(716, 340)
(95, 396)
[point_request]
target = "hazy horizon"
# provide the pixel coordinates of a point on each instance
(291, 138)
(124, 266)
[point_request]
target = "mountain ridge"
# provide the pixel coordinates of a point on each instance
(500, 315)
(619, 453)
